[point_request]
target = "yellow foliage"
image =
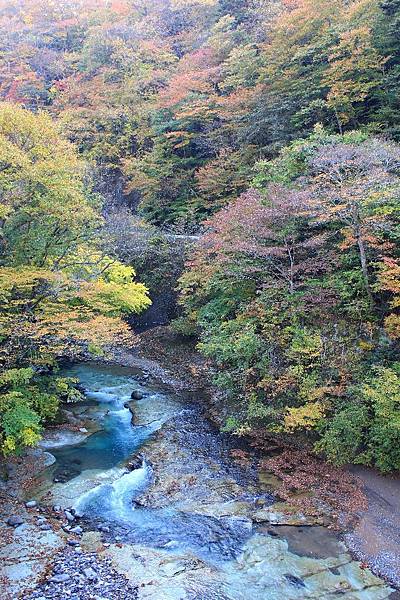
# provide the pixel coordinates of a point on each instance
(392, 326)
(304, 417)
(9, 445)
(51, 312)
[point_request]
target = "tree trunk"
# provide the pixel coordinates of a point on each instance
(362, 252)
(364, 266)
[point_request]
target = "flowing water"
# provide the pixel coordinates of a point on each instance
(183, 514)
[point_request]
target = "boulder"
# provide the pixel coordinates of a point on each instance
(78, 530)
(15, 521)
(276, 517)
(136, 395)
(136, 462)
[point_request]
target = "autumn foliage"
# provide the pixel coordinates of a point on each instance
(267, 128)
(59, 295)
(294, 291)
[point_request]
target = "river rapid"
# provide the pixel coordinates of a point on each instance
(155, 488)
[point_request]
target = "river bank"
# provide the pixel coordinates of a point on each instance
(205, 524)
(364, 503)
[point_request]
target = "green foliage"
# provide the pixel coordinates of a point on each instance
(20, 425)
(48, 213)
(291, 290)
(345, 434)
(28, 400)
(368, 430)
(382, 395)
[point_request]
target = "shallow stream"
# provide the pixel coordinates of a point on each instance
(182, 523)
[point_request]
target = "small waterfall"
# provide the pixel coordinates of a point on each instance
(114, 500)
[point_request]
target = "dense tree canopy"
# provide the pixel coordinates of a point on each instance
(287, 291)
(177, 99)
(270, 129)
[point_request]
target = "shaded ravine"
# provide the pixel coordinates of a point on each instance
(184, 523)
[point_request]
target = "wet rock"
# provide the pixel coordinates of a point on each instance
(69, 516)
(171, 544)
(61, 437)
(276, 517)
(15, 521)
(272, 533)
(136, 395)
(136, 462)
(173, 568)
(48, 459)
(294, 580)
(236, 509)
(31, 504)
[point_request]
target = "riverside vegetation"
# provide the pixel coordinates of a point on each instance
(268, 127)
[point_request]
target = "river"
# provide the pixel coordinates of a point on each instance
(184, 520)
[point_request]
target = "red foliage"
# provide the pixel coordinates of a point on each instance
(265, 235)
(197, 74)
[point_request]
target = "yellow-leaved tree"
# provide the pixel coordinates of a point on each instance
(59, 295)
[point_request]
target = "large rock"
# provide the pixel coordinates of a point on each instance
(62, 437)
(160, 575)
(15, 520)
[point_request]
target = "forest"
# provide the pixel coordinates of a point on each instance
(267, 132)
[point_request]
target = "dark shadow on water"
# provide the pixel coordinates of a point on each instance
(311, 542)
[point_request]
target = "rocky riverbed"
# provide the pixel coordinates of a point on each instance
(83, 575)
(160, 510)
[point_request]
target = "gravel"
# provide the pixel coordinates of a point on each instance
(83, 577)
(375, 538)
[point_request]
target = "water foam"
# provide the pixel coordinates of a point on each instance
(114, 500)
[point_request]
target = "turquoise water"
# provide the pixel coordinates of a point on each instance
(107, 390)
(239, 560)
